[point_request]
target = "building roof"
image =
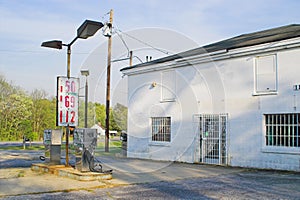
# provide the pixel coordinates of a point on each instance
(245, 40)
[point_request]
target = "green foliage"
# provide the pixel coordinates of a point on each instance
(26, 128)
(120, 116)
(43, 113)
(24, 115)
(20, 147)
(29, 115)
(91, 114)
(117, 116)
(14, 111)
(100, 114)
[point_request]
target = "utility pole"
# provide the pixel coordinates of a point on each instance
(108, 83)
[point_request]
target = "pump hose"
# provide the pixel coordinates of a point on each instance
(94, 167)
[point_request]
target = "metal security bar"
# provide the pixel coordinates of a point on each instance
(161, 129)
(213, 138)
(283, 129)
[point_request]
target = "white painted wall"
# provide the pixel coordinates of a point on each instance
(223, 86)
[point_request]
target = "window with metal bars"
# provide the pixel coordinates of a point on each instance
(283, 129)
(161, 129)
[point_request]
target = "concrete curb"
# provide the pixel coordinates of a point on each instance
(69, 172)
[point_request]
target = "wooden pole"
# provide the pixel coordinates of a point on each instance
(108, 85)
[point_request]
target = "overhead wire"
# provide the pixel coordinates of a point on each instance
(145, 43)
(119, 32)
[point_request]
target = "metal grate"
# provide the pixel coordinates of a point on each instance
(213, 138)
(161, 129)
(283, 129)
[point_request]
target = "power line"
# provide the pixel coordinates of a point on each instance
(19, 51)
(40, 52)
(123, 41)
(141, 41)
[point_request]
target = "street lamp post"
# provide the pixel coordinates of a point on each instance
(86, 30)
(86, 73)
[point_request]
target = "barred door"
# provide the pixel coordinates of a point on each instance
(212, 138)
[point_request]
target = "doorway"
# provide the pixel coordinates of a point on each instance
(212, 130)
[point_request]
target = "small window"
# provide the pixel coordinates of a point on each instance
(283, 130)
(265, 74)
(161, 129)
(168, 85)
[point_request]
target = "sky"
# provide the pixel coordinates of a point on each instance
(24, 25)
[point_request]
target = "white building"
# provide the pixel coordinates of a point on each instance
(235, 102)
(100, 129)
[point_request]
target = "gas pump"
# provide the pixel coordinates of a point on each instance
(85, 142)
(52, 142)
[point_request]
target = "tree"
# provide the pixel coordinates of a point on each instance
(24, 115)
(120, 116)
(91, 113)
(100, 110)
(29, 115)
(15, 110)
(100, 113)
(43, 112)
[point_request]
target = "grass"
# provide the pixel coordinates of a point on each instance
(33, 147)
(21, 174)
(115, 146)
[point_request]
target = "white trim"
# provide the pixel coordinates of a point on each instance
(167, 100)
(156, 143)
(281, 150)
(265, 93)
(255, 66)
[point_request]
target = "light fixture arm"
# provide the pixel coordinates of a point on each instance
(71, 43)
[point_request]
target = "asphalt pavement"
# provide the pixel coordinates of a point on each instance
(154, 179)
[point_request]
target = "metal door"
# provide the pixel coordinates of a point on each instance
(212, 138)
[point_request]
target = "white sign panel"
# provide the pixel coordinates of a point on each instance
(67, 101)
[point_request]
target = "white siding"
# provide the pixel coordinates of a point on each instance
(224, 86)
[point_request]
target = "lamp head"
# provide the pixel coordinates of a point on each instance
(85, 72)
(55, 44)
(88, 29)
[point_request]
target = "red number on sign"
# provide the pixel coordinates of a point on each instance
(73, 116)
(70, 87)
(72, 101)
(67, 116)
(67, 102)
(73, 86)
(60, 116)
(67, 86)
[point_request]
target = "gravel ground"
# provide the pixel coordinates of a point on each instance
(244, 185)
(239, 184)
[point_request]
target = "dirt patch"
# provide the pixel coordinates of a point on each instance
(16, 173)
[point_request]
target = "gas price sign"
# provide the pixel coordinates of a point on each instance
(67, 101)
